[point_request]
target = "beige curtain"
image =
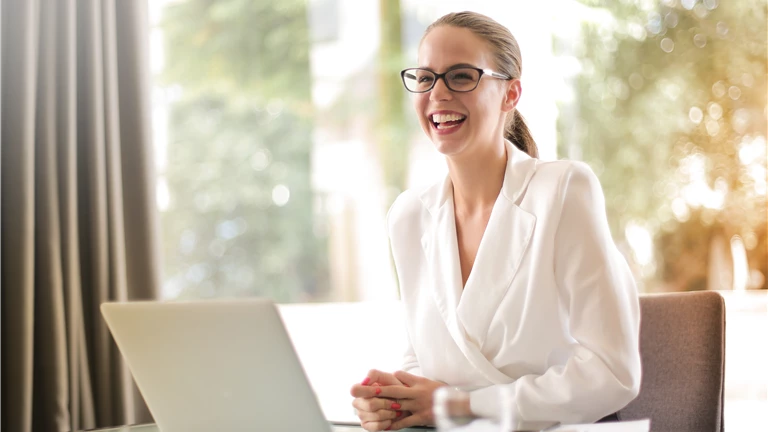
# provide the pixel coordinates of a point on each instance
(79, 225)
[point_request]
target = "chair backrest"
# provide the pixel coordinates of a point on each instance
(682, 346)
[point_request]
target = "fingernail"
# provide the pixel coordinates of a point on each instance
(366, 381)
(378, 390)
(388, 428)
(395, 406)
(398, 413)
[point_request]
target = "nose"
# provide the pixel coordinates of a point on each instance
(440, 91)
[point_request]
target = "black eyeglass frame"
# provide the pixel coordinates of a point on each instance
(489, 72)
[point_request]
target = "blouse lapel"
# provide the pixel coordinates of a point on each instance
(441, 249)
(467, 312)
(501, 250)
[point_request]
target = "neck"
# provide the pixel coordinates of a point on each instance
(477, 178)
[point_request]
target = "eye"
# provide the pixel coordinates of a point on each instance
(423, 79)
(462, 76)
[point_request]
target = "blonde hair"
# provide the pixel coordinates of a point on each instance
(508, 61)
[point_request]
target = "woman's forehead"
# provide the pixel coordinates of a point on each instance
(446, 46)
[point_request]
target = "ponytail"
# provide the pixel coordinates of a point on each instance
(517, 132)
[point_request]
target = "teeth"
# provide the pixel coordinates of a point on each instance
(440, 118)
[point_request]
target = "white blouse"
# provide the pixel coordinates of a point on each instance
(550, 308)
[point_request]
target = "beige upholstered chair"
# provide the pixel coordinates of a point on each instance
(682, 346)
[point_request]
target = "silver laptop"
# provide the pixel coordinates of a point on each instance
(221, 365)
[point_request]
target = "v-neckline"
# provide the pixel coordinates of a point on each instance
(457, 255)
(464, 284)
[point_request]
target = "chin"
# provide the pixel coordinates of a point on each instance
(448, 147)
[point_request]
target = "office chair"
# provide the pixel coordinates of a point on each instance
(682, 348)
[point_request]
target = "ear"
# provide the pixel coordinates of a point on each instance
(512, 91)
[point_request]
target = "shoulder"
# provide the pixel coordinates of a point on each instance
(567, 175)
(406, 209)
(579, 193)
(564, 168)
(562, 184)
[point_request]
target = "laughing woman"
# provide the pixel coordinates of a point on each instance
(508, 272)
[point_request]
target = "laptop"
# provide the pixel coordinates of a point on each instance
(216, 365)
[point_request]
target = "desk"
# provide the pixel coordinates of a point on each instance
(631, 426)
(153, 428)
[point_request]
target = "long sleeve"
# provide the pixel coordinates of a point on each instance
(602, 371)
(410, 362)
(402, 206)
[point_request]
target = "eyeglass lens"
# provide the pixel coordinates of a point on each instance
(422, 80)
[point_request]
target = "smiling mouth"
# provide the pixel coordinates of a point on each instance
(447, 121)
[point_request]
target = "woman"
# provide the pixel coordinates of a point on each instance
(507, 270)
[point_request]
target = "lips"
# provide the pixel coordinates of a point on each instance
(446, 120)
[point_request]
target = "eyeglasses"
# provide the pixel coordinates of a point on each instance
(461, 79)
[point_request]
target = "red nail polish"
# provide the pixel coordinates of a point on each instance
(378, 390)
(366, 381)
(395, 406)
(388, 428)
(398, 413)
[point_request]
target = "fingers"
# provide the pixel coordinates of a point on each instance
(408, 421)
(396, 392)
(404, 405)
(409, 380)
(366, 391)
(378, 405)
(383, 378)
(383, 398)
(372, 404)
(374, 426)
(361, 391)
(380, 415)
(368, 386)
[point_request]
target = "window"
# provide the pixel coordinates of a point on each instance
(283, 135)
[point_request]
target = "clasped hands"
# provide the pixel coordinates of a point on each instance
(386, 401)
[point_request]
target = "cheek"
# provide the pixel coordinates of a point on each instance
(420, 102)
(484, 109)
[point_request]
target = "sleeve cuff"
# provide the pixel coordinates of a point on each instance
(491, 402)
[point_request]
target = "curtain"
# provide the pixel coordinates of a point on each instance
(79, 223)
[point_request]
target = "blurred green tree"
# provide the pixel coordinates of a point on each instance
(392, 130)
(240, 220)
(670, 111)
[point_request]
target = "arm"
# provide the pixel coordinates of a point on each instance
(410, 362)
(402, 208)
(602, 373)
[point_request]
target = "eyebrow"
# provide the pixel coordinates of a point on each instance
(456, 66)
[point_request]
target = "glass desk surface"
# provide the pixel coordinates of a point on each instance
(153, 428)
(623, 426)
